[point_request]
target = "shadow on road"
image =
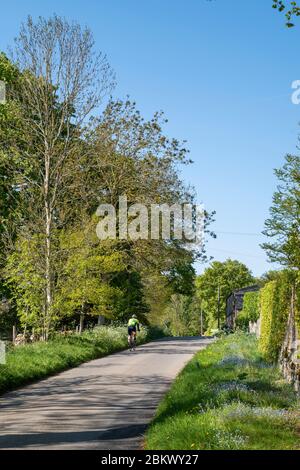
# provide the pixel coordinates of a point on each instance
(38, 439)
(92, 405)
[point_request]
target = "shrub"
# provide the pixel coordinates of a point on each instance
(242, 321)
(250, 312)
(251, 305)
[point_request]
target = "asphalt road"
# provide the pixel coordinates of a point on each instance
(103, 404)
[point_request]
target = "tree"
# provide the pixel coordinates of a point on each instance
(61, 82)
(132, 299)
(283, 226)
(26, 282)
(66, 165)
(220, 279)
(289, 7)
(11, 167)
(9, 132)
(293, 10)
(131, 156)
(88, 266)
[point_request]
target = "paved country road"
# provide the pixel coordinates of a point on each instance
(103, 404)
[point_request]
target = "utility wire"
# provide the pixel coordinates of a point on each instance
(236, 253)
(240, 233)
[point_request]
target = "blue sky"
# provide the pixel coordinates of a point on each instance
(222, 72)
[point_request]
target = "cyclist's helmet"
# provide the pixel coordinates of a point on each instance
(133, 316)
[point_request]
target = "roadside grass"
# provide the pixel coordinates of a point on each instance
(31, 362)
(227, 397)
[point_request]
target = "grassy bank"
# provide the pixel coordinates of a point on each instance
(227, 397)
(27, 363)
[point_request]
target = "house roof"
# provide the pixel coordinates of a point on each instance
(253, 288)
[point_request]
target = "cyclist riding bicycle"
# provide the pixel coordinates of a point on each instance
(133, 325)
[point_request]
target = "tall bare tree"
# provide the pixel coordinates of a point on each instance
(63, 81)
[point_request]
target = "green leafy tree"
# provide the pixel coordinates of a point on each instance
(58, 167)
(182, 278)
(220, 279)
(62, 81)
(181, 316)
(283, 226)
(25, 280)
(84, 285)
(133, 299)
(131, 156)
(13, 170)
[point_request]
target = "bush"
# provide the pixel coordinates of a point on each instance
(251, 305)
(250, 312)
(242, 321)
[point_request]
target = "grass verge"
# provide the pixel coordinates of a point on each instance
(227, 397)
(25, 364)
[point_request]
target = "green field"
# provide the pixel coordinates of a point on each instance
(227, 397)
(31, 362)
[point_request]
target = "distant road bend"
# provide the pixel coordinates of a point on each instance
(103, 404)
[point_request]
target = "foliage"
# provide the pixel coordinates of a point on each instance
(268, 276)
(26, 283)
(8, 318)
(182, 316)
(11, 165)
(56, 88)
(57, 166)
(250, 312)
(133, 297)
(275, 302)
(293, 10)
(251, 305)
(242, 321)
(88, 265)
(226, 276)
(283, 226)
(227, 397)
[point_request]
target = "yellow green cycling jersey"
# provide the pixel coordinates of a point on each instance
(133, 322)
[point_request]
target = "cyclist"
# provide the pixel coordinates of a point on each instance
(133, 325)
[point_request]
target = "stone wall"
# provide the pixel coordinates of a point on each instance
(254, 328)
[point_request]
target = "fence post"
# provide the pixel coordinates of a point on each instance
(14, 333)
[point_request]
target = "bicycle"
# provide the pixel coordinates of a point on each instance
(132, 342)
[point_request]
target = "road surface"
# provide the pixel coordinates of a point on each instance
(103, 404)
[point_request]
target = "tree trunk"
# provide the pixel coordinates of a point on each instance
(81, 324)
(48, 217)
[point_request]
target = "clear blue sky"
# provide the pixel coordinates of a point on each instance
(222, 72)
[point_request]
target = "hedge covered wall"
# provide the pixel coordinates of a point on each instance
(275, 303)
(297, 305)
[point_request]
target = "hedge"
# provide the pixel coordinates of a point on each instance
(275, 302)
